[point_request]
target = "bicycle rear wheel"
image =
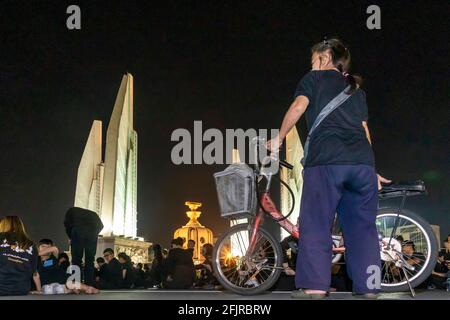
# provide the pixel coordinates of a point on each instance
(421, 254)
(242, 274)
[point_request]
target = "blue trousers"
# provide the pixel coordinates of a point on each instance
(351, 192)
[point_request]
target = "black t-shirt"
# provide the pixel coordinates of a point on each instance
(50, 272)
(340, 138)
(128, 281)
(16, 266)
(445, 254)
(112, 276)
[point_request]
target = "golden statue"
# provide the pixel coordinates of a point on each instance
(193, 230)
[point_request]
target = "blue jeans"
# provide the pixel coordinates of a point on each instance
(351, 191)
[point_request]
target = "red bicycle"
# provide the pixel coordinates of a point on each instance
(248, 258)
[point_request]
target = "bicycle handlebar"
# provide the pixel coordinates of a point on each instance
(258, 141)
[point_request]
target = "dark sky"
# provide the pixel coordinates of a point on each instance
(231, 64)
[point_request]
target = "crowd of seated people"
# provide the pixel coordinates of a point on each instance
(175, 270)
(440, 278)
(25, 267)
(42, 268)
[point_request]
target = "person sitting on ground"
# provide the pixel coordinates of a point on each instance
(445, 252)
(179, 272)
(53, 277)
(147, 267)
(63, 261)
(157, 268)
(112, 277)
(191, 247)
(439, 277)
(206, 280)
(139, 273)
(411, 256)
(18, 258)
(99, 270)
(128, 276)
(286, 282)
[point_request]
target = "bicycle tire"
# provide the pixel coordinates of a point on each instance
(248, 291)
(431, 262)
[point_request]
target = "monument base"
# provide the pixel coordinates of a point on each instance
(136, 249)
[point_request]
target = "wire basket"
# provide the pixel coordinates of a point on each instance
(236, 191)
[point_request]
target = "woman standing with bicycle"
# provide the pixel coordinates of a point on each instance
(339, 174)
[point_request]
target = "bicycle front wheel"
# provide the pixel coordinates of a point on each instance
(242, 272)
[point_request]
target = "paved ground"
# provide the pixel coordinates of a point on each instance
(152, 294)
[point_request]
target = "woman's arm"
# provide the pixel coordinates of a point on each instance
(380, 178)
(295, 111)
(366, 128)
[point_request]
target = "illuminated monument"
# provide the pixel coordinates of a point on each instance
(193, 230)
(110, 187)
(294, 178)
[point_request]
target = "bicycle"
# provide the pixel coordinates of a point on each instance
(247, 259)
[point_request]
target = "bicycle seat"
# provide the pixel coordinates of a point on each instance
(416, 187)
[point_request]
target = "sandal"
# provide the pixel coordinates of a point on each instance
(300, 294)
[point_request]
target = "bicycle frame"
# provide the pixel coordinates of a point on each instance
(269, 207)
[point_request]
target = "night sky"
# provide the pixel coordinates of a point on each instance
(231, 64)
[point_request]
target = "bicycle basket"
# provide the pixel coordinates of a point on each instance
(236, 190)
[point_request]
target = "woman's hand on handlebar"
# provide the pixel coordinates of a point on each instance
(382, 180)
(274, 144)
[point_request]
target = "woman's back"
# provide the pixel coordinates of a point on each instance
(340, 138)
(17, 266)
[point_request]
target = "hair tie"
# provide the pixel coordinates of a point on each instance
(345, 73)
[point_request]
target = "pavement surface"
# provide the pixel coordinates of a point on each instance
(155, 294)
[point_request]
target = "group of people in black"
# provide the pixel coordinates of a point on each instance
(173, 269)
(29, 268)
(42, 268)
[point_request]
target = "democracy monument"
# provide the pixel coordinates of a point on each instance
(109, 186)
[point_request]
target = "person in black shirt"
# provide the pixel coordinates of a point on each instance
(112, 276)
(445, 252)
(440, 275)
(191, 247)
(83, 227)
(53, 278)
(206, 280)
(18, 258)
(178, 267)
(100, 270)
(128, 275)
(339, 173)
(155, 277)
(139, 281)
(63, 261)
(53, 274)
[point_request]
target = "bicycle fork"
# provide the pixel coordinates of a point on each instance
(254, 233)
